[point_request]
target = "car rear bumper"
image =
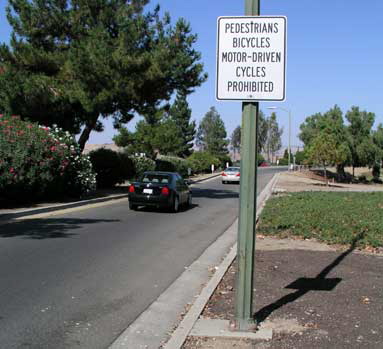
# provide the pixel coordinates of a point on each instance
(230, 179)
(151, 200)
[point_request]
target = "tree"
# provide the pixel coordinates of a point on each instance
(163, 137)
(235, 140)
(211, 135)
(378, 141)
(180, 113)
(323, 150)
(262, 127)
(72, 62)
(273, 140)
(330, 122)
(362, 147)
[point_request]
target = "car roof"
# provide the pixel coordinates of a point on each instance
(160, 172)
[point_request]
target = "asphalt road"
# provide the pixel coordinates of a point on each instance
(78, 279)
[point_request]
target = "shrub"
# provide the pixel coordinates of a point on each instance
(201, 161)
(172, 164)
(127, 165)
(142, 164)
(260, 159)
(376, 173)
(224, 159)
(40, 162)
(108, 166)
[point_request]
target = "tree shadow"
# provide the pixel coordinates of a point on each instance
(215, 193)
(47, 228)
(305, 285)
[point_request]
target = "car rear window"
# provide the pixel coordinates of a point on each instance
(155, 178)
(232, 169)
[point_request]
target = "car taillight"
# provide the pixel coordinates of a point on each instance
(224, 174)
(165, 191)
(238, 174)
(131, 188)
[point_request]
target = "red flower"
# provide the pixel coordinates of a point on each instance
(11, 170)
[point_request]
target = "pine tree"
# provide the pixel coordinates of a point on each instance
(211, 135)
(73, 62)
(180, 113)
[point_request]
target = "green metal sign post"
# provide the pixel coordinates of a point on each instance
(247, 216)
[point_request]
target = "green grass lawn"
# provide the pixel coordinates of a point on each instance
(332, 217)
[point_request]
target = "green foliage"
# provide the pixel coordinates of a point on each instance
(300, 157)
(235, 140)
(163, 137)
(274, 133)
(325, 151)
(211, 135)
(260, 159)
(108, 167)
(301, 214)
(363, 150)
(127, 165)
(72, 62)
(180, 113)
(224, 159)
(201, 161)
(172, 164)
(142, 164)
(39, 162)
(377, 138)
(330, 123)
(262, 134)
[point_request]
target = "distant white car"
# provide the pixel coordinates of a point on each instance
(231, 174)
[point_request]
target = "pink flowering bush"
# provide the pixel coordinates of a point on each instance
(39, 162)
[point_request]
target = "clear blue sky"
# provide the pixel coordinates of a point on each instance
(334, 56)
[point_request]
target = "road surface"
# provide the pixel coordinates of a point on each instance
(78, 279)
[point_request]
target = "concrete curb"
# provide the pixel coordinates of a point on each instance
(33, 211)
(186, 325)
(56, 207)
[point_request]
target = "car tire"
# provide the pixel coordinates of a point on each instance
(176, 204)
(132, 207)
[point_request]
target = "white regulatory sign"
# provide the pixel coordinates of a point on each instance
(251, 58)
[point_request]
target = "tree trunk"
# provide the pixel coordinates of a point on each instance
(340, 172)
(325, 175)
(353, 171)
(89, 127)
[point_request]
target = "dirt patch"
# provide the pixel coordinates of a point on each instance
(307, 181)
(320, 299)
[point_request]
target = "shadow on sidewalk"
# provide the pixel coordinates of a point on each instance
(47, 228)
(305, 285)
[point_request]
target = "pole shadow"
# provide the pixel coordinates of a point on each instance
(305, 285)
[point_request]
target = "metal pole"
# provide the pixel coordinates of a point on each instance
(289, 137)
(247, 206)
